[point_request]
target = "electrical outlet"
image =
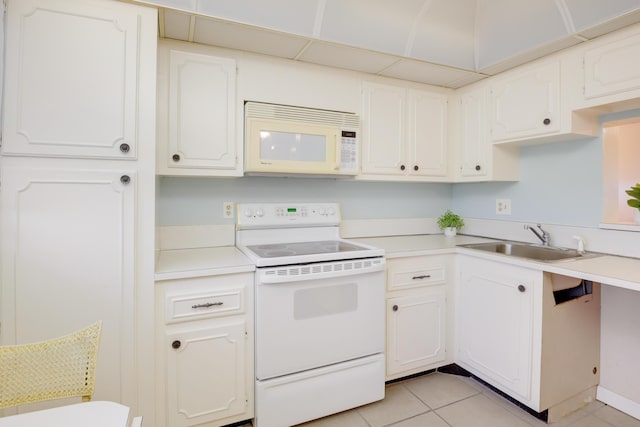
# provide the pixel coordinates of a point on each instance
(227, 209)
(503, 206)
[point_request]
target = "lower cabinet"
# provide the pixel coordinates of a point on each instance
(205, 340)
(519, 332)
(416, 314)
(498, 323)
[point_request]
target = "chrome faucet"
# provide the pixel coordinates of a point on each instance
(542, 235)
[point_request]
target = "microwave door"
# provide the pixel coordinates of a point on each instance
(281, 147)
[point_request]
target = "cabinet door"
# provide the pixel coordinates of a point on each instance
(206, 372)
(427, 136)
(473, 145)
(71, 83)
(612, 68)
(68, 261)
(415, 330)
(383, 124)
(202, 105)
(526, 103)
(496, 323)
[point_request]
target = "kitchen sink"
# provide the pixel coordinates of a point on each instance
(530, 251)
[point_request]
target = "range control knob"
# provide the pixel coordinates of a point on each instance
(331, 211)
(248, 213)
(259, 213)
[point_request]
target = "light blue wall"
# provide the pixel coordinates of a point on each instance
(560, 183)
(198, 201)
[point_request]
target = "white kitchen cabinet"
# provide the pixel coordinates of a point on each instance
(196, 114)
(78, 184)
(611, 68)
(417, 314)
(404, 134)
(526, 103)
(513, 334)
(72, 79)
(473, 142)
(205, 348)
(498, 322)
(475, 158)
(69, 260)
(537, 103)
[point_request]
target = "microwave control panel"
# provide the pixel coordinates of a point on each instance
(349, 150)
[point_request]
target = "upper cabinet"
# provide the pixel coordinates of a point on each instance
(404, 134)
(475, 157)
(196, 114)
(526, 104)
(85, 103)
(535, 104)
(611, 71)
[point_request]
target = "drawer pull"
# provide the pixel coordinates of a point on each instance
(424, 276)
(207, 304)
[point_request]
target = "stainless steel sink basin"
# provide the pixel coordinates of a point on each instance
(530, 251)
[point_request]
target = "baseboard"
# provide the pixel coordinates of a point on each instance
(621, 403)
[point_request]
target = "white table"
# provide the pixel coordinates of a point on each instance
(94, 414)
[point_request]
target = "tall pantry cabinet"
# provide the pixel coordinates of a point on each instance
(77, 184)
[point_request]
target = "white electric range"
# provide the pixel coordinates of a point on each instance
(319, 306)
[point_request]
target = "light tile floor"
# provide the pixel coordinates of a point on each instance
(441, 400)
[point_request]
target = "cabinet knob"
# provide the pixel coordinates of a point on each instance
(124, 147)
(546, 121)
(176, 157)
(402, 167)
(522, 288)
(416, 167)
(478, 167)
(176, 344)
(395, 308)
(125, 179)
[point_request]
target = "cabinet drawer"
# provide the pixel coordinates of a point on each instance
(203, 305)
(416, 272)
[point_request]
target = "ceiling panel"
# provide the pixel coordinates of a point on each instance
(249, 39)
(507, 28)
(445, 34)
(440, 42)
(346, 57)
(588, 13)
(291, 16)
(371, 24)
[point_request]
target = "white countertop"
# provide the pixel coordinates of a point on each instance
(607, 269)
(184, 263)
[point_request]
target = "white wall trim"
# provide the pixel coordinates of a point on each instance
(619, 402)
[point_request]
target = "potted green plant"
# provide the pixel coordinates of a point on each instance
(450, 223)
(634, 201)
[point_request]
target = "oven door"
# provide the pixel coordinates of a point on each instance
(317, 322)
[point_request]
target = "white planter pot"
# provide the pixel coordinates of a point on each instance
(637, 216)
(450, 231)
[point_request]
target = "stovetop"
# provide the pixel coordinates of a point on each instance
(304, 248)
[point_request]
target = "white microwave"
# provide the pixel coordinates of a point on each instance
(285, 139)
